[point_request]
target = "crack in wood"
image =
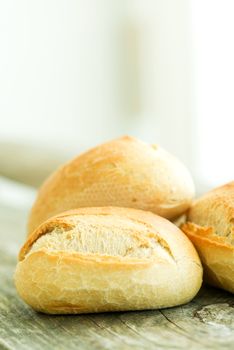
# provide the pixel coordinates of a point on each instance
(136, 332)
(3, 345)
(104, 328)
(182, 329)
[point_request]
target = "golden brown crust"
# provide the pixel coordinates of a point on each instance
(124, 172)
(69, 281)
(210, 227)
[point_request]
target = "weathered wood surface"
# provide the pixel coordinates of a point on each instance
(205, 323)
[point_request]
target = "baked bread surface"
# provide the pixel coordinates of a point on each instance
(124, 172)
(210, 227)
(107, 259)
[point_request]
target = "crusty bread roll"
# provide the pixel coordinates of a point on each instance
(126, 173)
(210, 227)
(107, 259)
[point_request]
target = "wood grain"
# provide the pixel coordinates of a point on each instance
(205, 323)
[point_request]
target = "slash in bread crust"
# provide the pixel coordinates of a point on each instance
(107, 259)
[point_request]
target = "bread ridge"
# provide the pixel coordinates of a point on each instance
(215, 209)
(50, 224)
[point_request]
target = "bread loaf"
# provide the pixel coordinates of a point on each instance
(126, 173)
(107, 259)
(210, 227)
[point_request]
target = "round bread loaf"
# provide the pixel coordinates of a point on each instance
(126, 173)
(210, 227)
(107, 259)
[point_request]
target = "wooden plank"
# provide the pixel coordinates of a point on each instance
(205, 323)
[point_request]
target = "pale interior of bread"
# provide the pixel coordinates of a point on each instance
(105, 236)
(221, 226)
(215, 215)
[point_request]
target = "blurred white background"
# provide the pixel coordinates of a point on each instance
(79, 72)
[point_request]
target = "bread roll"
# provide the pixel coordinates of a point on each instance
(210, 227)
(107, 259)
(125, 173)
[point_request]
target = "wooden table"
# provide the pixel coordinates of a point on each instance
(205, 323)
